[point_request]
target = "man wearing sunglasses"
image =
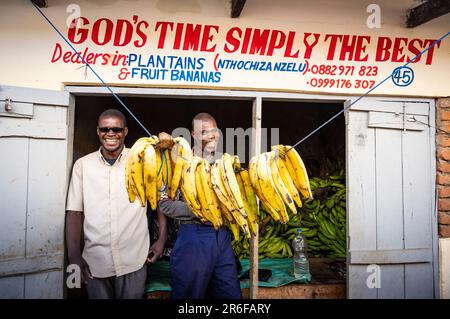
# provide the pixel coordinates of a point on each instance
(202, 263)
(116, 237)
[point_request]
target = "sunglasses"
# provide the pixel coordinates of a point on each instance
(114, 129)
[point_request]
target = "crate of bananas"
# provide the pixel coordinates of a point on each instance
(224, 192)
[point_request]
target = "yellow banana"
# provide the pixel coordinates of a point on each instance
(229, 180)
(287, 180)
(131, 193)
(187, 151)
(150, 177)
(222, 195)
(250, 214)
(211, 199)
(188, 186)
(250, 211)
(219, 187)
(256, 183)
(249, 192)
(234, 230)
(297, 169)
(257, 187)
(197, 213)
(131, 187)
(276, 193)
(201, 195)
(180, 154)
(279, 185)
(178, 164)
(159, 169)
(268, 188)
(227, 217)
(131, 190)
(251, 198)
(135, 169)
(230, 222)
(153, 140)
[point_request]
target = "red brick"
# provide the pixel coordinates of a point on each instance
(444, 192)
(443, 167)
(444, 114)
(443, 140)
(444, 204)
(444, 103)
(443, 125)
(443, 179)
(444, 231)
(444, 218)
(444, 153)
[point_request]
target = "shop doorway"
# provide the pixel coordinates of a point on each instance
(406, 257)
(283, 122)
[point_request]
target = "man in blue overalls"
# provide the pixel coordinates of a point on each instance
(202, 262)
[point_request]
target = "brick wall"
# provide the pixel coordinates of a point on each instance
(443, 165)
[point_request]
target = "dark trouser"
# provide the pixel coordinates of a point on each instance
(129, 286)
(203, 265)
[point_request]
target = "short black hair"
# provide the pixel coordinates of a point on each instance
(114, 113)
(202, 117)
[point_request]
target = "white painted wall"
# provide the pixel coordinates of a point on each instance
(28, 42)
(444, 267)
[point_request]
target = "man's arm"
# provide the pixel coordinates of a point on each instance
(157, 249)
(176, 209)
(74, 226)
(163, 229)
(75, 219)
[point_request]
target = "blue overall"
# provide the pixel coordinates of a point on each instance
(203, 264)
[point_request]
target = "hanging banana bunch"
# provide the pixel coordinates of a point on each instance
(296, 168)
(322, 220)
(141, 177)
(278, 178)
(144, 175)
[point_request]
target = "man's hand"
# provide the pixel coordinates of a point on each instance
(163, 196)
(74, 226)
(84, 268)
(165, 141)
(155, 252)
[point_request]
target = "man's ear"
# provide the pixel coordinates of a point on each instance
(125, 131)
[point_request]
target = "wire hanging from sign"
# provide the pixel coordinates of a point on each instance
(391, 75)
(92, 69)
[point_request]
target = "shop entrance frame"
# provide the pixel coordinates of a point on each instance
(257, 98)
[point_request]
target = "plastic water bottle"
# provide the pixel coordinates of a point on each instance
(301, 263)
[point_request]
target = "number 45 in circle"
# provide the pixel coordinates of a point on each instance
(402, 76)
